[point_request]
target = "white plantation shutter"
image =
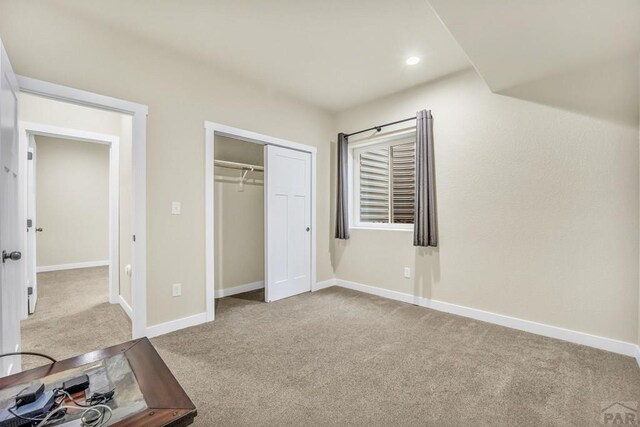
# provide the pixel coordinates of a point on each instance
(387, 183)
(403, 160)
(374, 185)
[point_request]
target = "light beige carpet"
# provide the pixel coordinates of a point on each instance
(73, 316)
(339, 357)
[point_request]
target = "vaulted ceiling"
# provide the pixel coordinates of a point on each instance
(330, 53)
(511, 42)
(336, 54)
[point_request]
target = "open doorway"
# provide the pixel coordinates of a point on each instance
(14, 155)
(78, 208)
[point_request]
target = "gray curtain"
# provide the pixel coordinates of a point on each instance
(424, 222)
(342, 202)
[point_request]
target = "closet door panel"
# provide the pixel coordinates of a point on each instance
(278, 238)
(288, 219)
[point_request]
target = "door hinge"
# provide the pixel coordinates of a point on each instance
(29, 223)
(30, 290)
(29, 155)
(134, 237)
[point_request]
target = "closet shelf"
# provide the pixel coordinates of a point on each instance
(239, 166)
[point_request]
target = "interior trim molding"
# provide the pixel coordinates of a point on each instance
(28, 131)
(175, 325)
(138, 180)
(72, 266)
(225, 292)
(323, 285)
(125, 306)
(602, 343)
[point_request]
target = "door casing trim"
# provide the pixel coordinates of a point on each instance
(211, 130)
(138, 176)
(28, 130)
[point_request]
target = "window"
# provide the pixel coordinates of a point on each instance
(383, 178)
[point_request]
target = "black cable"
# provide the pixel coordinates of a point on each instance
(100, 398)
(93, 400)
(96, 400)
(28, 353)
(11, 411)
(38, 418)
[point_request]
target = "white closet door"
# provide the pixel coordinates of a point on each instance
(288, 222)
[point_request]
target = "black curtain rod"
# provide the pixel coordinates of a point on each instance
(379, 127)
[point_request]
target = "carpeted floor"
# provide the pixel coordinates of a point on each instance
(73, 316)
(339, 357)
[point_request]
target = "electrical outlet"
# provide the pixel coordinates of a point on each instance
(407, 273)
(177, 289)
(176, 208)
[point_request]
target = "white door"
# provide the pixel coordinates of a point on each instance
(11, 288)
(32, 228)
(288, 218)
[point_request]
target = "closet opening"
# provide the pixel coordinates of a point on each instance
(239, 222)
(260, 204)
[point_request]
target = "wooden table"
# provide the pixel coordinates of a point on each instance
(167, 402)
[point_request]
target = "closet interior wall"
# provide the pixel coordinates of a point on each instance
(239, 217)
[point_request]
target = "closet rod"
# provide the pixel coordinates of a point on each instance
(240, 166)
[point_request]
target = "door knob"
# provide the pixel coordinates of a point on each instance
(39, 230)
(13, 256)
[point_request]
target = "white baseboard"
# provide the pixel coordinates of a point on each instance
(323, 285)
(88, 264)
(384, 293)
(602, 343)
(125, 306)
(638, 355)
(221, 293)
(225, 292)
(174, 325)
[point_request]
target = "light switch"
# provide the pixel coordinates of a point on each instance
(176, 289)
(407, 273)
(176, 207)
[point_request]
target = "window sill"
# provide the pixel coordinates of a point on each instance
(364, 227)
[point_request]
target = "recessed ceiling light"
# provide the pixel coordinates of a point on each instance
(412, 60)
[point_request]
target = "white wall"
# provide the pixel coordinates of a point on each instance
(55, 113)
(239, 216)
(181, 94)
(72, 201)
(537, 200)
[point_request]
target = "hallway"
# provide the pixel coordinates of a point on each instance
(73, 316)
